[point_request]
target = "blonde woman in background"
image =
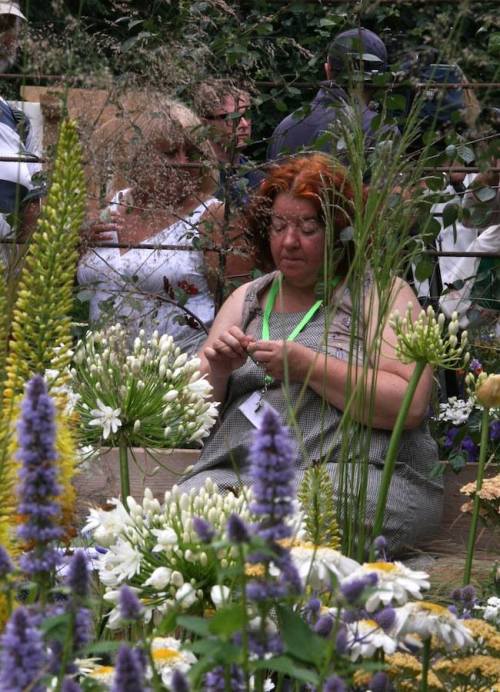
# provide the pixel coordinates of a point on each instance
(155, 201)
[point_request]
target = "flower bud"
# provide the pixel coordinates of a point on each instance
(488, 393)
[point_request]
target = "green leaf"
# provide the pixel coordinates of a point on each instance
(299, 639)
(194, 624)
(424, 268)
(167, 624)
(283, 664)
(450, 215)
(226, 621)
(485, 194)
(494, 44)
(106, 647)
(465, 153)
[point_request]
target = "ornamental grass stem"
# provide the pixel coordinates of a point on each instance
(124, 474)
(483, 451)
(392, 452)
(426, 659)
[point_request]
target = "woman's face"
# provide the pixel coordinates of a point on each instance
(296, 239)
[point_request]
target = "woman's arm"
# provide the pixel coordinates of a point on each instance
(328, 376)
(225, 348)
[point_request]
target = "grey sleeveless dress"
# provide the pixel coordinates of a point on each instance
(414, 503)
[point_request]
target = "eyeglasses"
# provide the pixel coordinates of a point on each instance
(306, 227)
(230, 118)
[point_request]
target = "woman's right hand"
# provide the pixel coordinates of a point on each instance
(228, 351)
(105, 228)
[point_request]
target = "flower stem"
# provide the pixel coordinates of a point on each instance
(124, 475)
(475, 506)
(392, 451)
(426, 658)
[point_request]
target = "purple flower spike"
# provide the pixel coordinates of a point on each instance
(22, 657)
(385, 618)
(495, 430)
(272, 471)
(469, 594)
(129, 674)
(352, 590)
(381, 682)
(70, 685)
(204, 529)
(237, 531)
(324, 626)
(334, 684)
(6, 566)
(178, 682)
(38, 486)
(215, 680)
(78, 575)
(130, 606)
(341, 641)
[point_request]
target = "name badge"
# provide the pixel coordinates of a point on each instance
(253, 408)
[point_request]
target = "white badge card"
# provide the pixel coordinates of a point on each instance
(253, 408)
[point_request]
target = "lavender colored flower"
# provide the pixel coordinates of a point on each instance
(469, 595)
(334, 684)
(324, 626)
(272, 473)
(178, 682)
(341, 640)
(22, 654)
(6, 565)
(204, 529)
(380, 682)
(495, 430)
(70, 685)
(129, 673)
(237, 530)
(130, 606)
(290, 577)
(38, 486)
(475, 366)
(385, 618)
(380, 545)
(82, 630)
(215, 680)
(470, 447)
(456, 594)
(78, 575)
(449, 441)
(352, 590)
(453, 610)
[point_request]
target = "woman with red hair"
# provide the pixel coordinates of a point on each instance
(275, 343)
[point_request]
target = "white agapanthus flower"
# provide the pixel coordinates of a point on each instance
(106, 526)
(159, 579)
(316, 563)
(491, 611)
(107, 418)
(395, 583)
(186, 596)
(166, 539)
(365, 637)
(430, 619)
(220, 595)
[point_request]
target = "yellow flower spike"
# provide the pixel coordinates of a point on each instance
(41, 315)
(488, 391)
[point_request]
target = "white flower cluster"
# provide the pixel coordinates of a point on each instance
(157, 552)
(456, 411)
(152, 394)
(491, 611)
(425, 339)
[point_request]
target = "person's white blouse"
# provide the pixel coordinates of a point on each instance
(130, 288)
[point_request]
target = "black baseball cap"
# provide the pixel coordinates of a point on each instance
(358, 48)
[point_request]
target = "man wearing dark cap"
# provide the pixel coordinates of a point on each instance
(356, 55)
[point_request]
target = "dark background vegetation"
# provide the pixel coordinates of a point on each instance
(171, 44)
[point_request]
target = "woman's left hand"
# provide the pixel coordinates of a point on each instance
(280, 357)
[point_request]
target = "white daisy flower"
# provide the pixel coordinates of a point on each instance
(168, 656)
(430, 619)
(107, 418)
(315, 563)
(396, 583)
(365, 637)
(491, 610)
(105, 675)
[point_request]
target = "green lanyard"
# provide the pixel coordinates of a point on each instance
(270, 302)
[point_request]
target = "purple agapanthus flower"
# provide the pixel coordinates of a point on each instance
(215, 680)
(204, 529)
(22, 654)
(475, 366)
(272, 472)
(449, 441)
(70, 685)
(237, 530)
(470, 447)
(129, 673)
(334, 684)
(38, 480)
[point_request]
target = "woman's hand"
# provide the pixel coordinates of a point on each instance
(280, 357)
(229, 351)
(103, 228)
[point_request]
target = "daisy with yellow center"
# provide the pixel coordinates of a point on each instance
(395, 583)
(430, 619)
(168, 656)
(315, 564)
(103, 674)
(365, 637)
